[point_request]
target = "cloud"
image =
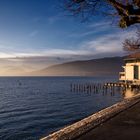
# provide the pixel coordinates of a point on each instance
(91, 41)
(33, 33)
(56, 18)
(32, 58)
(108, 43)
(93, 29)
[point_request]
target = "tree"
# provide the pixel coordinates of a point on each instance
(132, 44)
(127, 11)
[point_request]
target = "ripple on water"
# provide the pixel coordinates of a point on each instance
(38, 106)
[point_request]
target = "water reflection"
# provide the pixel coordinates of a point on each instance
(130, 93)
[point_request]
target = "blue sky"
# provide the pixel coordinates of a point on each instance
(40, 28)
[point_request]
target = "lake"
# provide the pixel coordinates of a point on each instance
(33, 107)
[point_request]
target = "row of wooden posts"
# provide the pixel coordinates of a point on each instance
(102, 87)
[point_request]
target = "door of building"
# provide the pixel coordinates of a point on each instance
(136, 72)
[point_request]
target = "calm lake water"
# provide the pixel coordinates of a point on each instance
(33, 107)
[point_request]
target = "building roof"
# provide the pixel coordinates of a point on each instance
(133, 56)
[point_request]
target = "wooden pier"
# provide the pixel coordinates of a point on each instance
(103, 87)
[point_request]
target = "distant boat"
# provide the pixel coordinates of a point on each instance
(19, 83)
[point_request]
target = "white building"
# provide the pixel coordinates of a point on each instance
(131, 69)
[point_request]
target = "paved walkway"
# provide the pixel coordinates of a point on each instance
(124, 126)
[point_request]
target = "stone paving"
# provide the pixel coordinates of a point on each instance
(124, 126)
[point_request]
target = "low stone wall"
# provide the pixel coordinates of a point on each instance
(81, 127)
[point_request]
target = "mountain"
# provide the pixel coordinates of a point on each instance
(96, 67)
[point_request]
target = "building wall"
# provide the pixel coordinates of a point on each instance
(129, 70)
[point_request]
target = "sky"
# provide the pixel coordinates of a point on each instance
(35, 34)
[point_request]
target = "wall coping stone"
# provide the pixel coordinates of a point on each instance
(72, 131)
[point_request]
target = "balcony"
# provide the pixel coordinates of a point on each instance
(121, 76)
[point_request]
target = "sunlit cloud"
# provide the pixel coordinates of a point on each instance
(112, 42)
(95, 41)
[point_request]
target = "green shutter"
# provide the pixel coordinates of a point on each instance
(136, 72)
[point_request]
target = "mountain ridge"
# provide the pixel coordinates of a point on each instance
(93, 67)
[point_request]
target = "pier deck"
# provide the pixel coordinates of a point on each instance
(124, 126)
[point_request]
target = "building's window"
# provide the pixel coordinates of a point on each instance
(136, 72)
